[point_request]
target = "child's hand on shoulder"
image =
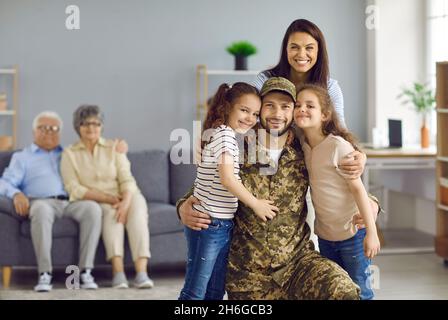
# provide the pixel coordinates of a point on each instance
(371, 245)
(265, 209)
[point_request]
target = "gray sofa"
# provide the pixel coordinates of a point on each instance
(161, 182)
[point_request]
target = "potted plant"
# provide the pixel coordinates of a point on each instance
(241, 50)
(423, 100)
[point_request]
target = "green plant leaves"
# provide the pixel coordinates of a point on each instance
(420, 96)
(241, 48)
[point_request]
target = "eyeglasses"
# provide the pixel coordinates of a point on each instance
(49, 129)
(91, 123)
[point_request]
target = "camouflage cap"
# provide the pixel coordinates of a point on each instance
(279, 84)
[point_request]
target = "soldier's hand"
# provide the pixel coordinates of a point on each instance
(192, 218)
(265, 209)
(21, 204)
(352, 166)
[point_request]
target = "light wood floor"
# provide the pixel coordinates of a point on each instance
(406, 276)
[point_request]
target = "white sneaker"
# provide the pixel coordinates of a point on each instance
(142, 281)
(44, 283)
(88, 281)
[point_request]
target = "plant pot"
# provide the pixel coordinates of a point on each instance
(240, 62)
(424, 135)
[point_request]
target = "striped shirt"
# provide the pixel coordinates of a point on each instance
(334, 90)
(216, 200)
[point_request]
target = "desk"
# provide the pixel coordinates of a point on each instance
(407, 158)
(398, 159)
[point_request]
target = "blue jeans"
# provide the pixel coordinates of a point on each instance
(349, 254)
(208, 252)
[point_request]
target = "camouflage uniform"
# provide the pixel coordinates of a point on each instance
(276, 259)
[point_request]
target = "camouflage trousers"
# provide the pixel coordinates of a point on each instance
(315, 278)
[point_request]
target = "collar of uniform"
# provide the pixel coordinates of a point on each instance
(261, 156)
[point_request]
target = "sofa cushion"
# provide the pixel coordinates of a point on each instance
(151, 171)
(163, 219)
(64, 227)
(182, 178)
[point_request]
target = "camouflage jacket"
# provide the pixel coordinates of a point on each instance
(265, 251)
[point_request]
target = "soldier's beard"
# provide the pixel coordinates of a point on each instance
(275, 133)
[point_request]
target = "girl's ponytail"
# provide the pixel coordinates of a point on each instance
(218, 109)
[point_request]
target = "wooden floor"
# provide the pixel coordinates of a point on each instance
(406, 276)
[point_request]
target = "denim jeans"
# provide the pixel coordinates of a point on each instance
(349, 254)
(208, 252)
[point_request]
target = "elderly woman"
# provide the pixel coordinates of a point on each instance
(93, 170)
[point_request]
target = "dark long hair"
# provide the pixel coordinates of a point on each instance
(320, 73)
(223, 101)
(332, 124)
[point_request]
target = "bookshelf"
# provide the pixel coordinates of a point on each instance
(441, 240)
(10, 114)
(202, 83)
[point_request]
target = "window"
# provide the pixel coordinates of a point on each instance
(437, 26)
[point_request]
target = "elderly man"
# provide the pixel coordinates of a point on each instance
(33, 181)
(276, 260)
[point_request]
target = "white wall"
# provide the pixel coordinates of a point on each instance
(399, 43)
(137, 59)
(396, 59)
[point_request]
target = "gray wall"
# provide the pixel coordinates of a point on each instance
(136, 59)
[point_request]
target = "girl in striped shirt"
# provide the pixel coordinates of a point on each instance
(218, 187)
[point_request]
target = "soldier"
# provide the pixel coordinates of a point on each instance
(276, 260)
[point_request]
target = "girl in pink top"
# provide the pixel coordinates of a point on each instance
(335, 197)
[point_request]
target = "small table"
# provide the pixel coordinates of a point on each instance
(398, 159)
(406, 158)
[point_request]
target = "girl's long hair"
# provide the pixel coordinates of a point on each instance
(222, 103)
(332, 124)
(320, 73)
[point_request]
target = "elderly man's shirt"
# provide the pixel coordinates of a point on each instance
(105, 170)
(263, 251)
(35, 172)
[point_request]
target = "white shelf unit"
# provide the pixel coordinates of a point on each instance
(202, 94)
(14, 72)
(7, 113)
